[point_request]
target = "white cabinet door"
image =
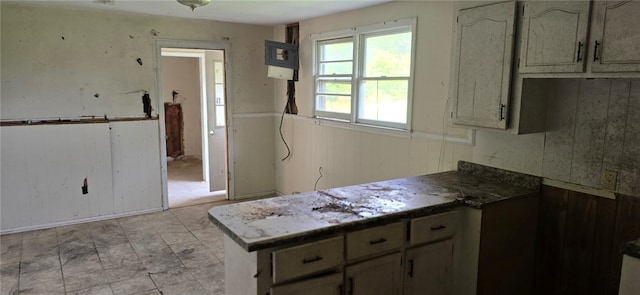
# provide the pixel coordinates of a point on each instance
(554, 36)
(327, 285)
(482, 65)
(376, 276)
(615, 36)
(429, 269)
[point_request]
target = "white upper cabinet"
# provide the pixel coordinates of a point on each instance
(615, 43)
(554, 36)
(482, 65)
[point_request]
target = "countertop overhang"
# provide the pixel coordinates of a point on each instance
(293, 219)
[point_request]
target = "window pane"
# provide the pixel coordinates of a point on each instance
(219, 94)
(388, 55)
(336, 51)
(333, 103)
(219, 71)
(336, 68)
(384, 101)
(220, 117)
(335, 87)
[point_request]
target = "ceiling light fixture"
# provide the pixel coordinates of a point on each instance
(194, 3)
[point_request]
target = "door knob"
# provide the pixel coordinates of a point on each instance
(212, 132)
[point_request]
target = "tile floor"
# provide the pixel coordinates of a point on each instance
(178, 251)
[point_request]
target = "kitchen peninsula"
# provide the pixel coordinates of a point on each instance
(395, 235)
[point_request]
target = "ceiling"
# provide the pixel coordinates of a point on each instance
(261, 12)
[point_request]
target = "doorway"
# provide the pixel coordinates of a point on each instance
(195, 156)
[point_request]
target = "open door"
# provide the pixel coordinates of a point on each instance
(217, 131)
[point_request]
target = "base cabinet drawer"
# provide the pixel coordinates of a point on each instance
(433, 228)
(327, 285)
(299, 261)
(374, 240)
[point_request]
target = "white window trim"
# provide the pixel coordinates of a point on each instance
(355, 32)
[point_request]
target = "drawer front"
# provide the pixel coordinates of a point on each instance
(327, 285)
(434, 227)
(306, 259)
(375, 240)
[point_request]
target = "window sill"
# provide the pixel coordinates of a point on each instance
(344, 124)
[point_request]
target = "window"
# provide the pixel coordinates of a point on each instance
(364, 75)
(218, 67)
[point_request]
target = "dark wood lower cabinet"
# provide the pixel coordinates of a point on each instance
(579, 240)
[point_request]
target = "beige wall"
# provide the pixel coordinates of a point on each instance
(349, 156)
(182, 74)
(47, 76)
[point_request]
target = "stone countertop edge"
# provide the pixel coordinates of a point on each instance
(527, 183)
(632, 248)
(328, 232)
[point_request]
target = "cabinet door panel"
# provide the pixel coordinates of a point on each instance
(376, 276)
(429, 269)
(482, 65)
(328, 285)
(554, 36)
(616, 29)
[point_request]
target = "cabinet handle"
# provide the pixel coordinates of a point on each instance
(595, 51)
(317, 258)
(340, 290)
(411, 268)
(350, 286)
(380, 241)
(439, 227)
(502, 107)
(579, 51)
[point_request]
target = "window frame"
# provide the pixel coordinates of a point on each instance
(357, 35)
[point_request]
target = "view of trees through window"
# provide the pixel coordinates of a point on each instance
(383, 76)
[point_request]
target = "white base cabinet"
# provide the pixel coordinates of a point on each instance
(429, 269)
(412, 256)
(326, 285)
(376, 276)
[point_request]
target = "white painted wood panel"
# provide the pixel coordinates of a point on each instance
(554, 36)
(592, 127)
(616, 28)
(376, 276)
(482, 62)
(136, 165)
(429, 269)
(43, 170)
(561, 116)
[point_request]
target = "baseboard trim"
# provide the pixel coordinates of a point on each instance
(78, 221)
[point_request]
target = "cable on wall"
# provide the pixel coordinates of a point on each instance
(317, 180)
(282, 136)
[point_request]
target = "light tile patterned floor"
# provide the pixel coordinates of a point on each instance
(178, 251)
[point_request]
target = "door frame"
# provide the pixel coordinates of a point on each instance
(200, 45)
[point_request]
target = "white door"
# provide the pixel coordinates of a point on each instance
(216, 121)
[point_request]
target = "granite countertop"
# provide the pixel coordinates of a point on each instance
(284, 220)
(632, 249)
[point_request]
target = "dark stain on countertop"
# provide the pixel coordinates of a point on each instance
(308, 216)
